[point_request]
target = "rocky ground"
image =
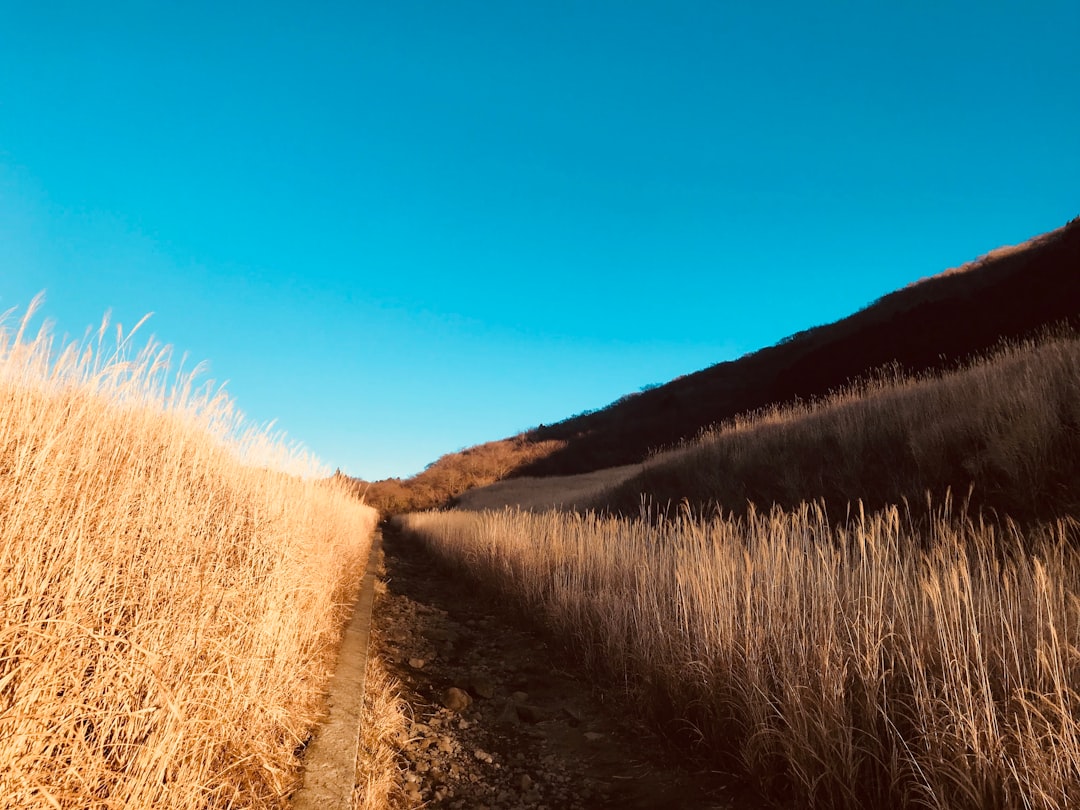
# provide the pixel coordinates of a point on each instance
(502, 720)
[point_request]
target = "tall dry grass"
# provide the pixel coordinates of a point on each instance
(1008, 428)
(866, 665)
(171, 590)
(379, 778)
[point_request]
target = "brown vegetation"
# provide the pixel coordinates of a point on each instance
(453, 474)
(931, 325)
(378, 775)
(1007, 429)
(865, 665)
(171, 591)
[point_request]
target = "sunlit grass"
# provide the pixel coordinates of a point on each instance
(172, 584)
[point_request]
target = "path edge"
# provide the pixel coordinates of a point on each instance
(330, 758)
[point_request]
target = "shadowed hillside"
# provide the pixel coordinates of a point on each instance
(1003, 430)
(931, 324)
(934, 323)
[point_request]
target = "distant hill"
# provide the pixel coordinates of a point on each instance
(934, 323)
(453, 474)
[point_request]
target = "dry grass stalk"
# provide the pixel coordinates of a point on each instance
(171, 592)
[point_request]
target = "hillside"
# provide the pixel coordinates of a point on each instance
(934, 323)
(454, 473)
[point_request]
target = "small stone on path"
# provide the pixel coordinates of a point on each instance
(456, 700)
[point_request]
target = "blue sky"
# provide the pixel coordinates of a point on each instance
(403, 228)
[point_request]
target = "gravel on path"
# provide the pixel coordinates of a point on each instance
(503, 719)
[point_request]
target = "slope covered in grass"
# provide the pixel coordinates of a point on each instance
(1006, 429)
(1011, 293)
(172, 585)
(845, 657)
(932, 325)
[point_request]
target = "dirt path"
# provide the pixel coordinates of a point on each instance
(501, 720)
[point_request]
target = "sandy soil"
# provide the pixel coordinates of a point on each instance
(503, 719)
(565, 492)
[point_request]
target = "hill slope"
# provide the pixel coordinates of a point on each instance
(934, 323)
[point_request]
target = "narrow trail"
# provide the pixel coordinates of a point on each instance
(502, 720)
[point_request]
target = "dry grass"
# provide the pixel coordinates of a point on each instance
(378, 772)
(171, 592)
(846, 660)
(1008, 428)
(865, 665)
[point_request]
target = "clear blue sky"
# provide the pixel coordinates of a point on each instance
(401, 228)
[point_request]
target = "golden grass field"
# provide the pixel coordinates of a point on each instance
(173, 584)
(920, 656)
